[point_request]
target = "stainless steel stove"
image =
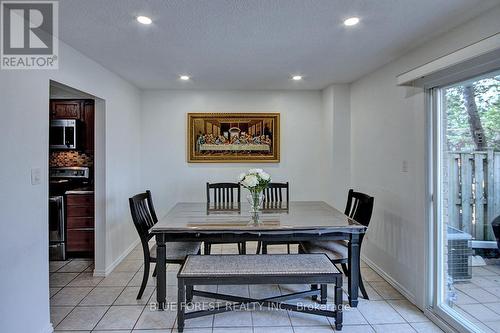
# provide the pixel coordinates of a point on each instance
(68, 178)
(69, 173)
(62, 180)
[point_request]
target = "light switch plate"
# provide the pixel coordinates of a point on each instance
(36, 176)
(404, 166)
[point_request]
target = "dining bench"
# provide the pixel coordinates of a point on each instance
(310, 269)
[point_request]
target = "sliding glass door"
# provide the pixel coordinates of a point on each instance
(466, 168)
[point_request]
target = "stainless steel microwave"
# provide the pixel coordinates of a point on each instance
(63, 133)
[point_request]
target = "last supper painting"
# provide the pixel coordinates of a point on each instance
(233, 137)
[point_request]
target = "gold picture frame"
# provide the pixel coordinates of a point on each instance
(233, 137)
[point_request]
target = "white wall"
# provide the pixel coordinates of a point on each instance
(388, 127)
(165, 171)
(24, 97)
(337, 127)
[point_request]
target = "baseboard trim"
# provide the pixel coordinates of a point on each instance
(442, 324)
(439, 322)
(396, 285)
(48, 329)
(117, 261)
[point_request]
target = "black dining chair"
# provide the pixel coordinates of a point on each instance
(223, 197)
(359, 207)
(144, 217)
(276, 197)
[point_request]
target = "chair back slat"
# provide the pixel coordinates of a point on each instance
(359, 207)
(143, 213)
(274, 192)
(273, 196)
(223, 193)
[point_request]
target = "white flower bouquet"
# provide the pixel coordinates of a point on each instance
(255, 180)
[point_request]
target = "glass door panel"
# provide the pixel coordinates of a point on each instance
(468, 206)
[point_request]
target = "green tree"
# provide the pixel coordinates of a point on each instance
(473, 115)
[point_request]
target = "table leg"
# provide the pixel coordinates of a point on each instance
(161, 274)
(338, 304)
(353, 279)
(181, 302)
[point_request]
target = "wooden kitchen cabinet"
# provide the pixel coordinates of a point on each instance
(80, 200)
(66, 109)
(80, 211)
(80, 240)
(79, 109)
(77, 222)
(88, 126)
(80, 223)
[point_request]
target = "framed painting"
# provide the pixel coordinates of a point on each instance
(233, 137)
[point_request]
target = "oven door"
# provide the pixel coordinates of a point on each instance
(57, 236)
(56, 219)
(63, 134)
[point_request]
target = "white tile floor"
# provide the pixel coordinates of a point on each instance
(478, 299)
(83, 303)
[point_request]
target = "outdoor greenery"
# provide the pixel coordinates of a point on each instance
(468, 119)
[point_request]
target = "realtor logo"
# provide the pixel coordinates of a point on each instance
(29, 35)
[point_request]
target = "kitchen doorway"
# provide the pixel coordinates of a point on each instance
(76, 185)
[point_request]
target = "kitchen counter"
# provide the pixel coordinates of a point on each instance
(82, 190)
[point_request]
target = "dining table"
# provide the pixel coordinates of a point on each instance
(295, 221)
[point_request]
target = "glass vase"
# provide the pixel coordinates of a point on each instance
(255, 199)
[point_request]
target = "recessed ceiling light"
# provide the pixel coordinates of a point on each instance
(184, 77)
(297, 77)
(144, 20)
(351, 21)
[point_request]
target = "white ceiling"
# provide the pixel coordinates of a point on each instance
(254, 44)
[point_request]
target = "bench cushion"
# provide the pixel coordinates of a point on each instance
(247, 265)
(178, 250)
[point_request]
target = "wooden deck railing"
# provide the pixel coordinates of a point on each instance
(474, 192)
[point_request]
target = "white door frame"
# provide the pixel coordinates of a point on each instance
(434, 293)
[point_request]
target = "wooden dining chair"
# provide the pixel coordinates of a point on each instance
(144, 218)
(359, 207)
(276, 197)
(223, 197)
